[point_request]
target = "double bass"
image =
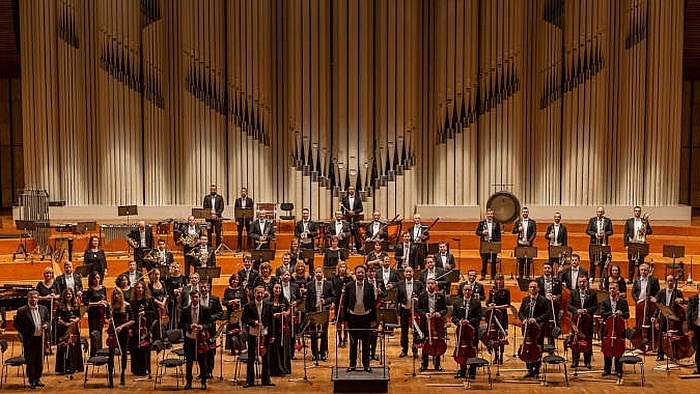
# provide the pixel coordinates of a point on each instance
(676, 342)
(644, 337)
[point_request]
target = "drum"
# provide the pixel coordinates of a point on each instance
(506, 207)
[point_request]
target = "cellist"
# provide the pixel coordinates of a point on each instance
(670, 296)
(467, 309)
(583, 305)
(534, 310)
(550, 287)
(431, 305)
(693, 319)
(613, 305)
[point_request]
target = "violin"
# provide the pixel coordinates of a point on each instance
(144, 335)
(435, 346)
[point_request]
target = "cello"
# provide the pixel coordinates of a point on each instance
(435, 345)
(530, 351)
(614, 341)
(578, 341)
(465, 348)
(676, 342)
(495, 335)
(644, 337)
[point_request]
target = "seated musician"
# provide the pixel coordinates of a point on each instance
(376, 256)
(141, 240)
(534, 310)
(204, 254)
(319, 297)
(693, 320)
(262, 231)
(582, 305)
(613, 305)
(407, 292)
(550, 287)
(380, 293)
(670, 296)
(499, 296)
(216, 312)
(467, 310)
(195, 319)
(431, 271)
(257, 316)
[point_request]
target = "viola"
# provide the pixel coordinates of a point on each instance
(614, 341)
(435, 345)
(530, 351)
(465, 348)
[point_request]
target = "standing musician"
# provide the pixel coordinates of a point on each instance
(488, 230)
(405, 252)
(292, 293)
(141, 240)
(204, 254)
(144, 313)
(534, 310)
(185, 293)
(478, 290)
(359, 315)
(266, 279)
(195, 322)
(132, 274)
(379, 294)
(122, 283)
(615, 277)
(216, 312)
(164, 258)
(351, 206)
(613, 305)
(550, 288)
(279, 349)
(341, 229)
(341, 280)
(306, 231)
(262, 231)
(376, 256)
(526, 229)
(556, 235)
(499, 296)
(48, 297)
(636, 230)
(300, 277)
(295, 252)
(645, 285)
(583, 302)
(693, 320)
(215, 204)
(387, 275)
(247, 274)
(431, 305)
(670, 296)
(189, 238)
(174, 285)
(419, 238)
(31, 321)
(569, 276)
(334, 254)
(70, 280)
(376, 229)
(234, 299)
(257, 316)
(69, 356)
(444, 259)
(286, 264)
(407, 291)
(95, 297)
(431, 271)
(242, 202)
(320, 296)
(467, 310)
(119, 322)
(94, 257)
(599, 228)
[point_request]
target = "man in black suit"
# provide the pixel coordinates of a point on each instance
(405, 252)
(133, 274)
(141, 240)
(556, 235)
(216, 311)
(488, 230)
(431, 271)
(214, 203)
(289, 288)
(165, 259)
(534, 309)
(387, 275)
(636, 230)
(242, 202)
(582, 305)
(257, 316)
(616, 305)
(693, 320)
(467, 310)
(670, 296)
(419, 239)
(286, 266)
(351, 206)
(70, 280)
(189, 238)
(306, 230)
(359, 315)
(646, 285)
(380, 294)
(262, 231)
(319, 297)
(248, 276)
(376, 229)
(569, 276)
(431, 305)
(526, 229)
(407, 292)
(599, 228)
(478, 290)
(341, 229)
(444, 259)
(31, 322)
(205, 255)
(550, 288)
(194, 319)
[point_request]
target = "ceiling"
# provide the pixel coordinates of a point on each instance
(10, 59)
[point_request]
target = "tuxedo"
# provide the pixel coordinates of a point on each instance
(138, 277)
(630, 230)
(311, 233)
(242, 223)
(248, 278)
(561, 237)
(33, 345)
(473, 315)
(652, 288)
(359, 322)
(605, 312)
(539, 309)
(478, 290)
(77, 280)
(438, 272)
(189, 260)
(144, 244)
(590, 304)
(530, 234)
(628, 238)
(250, 317)
(423, 307)
(402, 306)
(216, 312)
(592, 229)
(566, 277)
(356, 206)
(328, 296)
(556, 286)
(482, 230)
(392, 278)
(344, 233)
(214, 203)
(211, 258)
(423, 231)
(400, 255)
(446, 262)
(190, 346)
(256, 232)
(294, 292)
(371, 231)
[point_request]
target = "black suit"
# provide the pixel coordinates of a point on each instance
(140, 251)
(401, 259)
(216, 312)
(138, 277)
(494, 236)
(590, 304)
(253, 320)
(525, 238)
(566, 278)
(446, 262)
(216, 201)
(248, 278)
(191, 353)
(343, 235)
(539, 310)
(328, 297)
(256, 232)
(556, 238)
(393, 277)
(629, 237)
(78, 283)
(356, 207)
(691, 317)
(605, 312)
(242, 223)
(186, 249)
(592, 230)
(422, 308)
(307, 241)
(359, 324)
(651, 289)
(478, 290)
(33, 345)
(663, 298)
(404, 312)
(211, 256)
(473, 315)
(370, 233)
(442, 283)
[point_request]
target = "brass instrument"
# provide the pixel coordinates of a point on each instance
(152, 256)
(133, 243)
(640, 236)
(188, 239)
(200, 255)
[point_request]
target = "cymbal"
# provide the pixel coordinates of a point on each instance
(667, 312)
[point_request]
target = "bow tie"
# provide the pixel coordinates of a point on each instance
(574, 270)
(409, 283)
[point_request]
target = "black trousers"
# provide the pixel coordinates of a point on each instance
(607, 365)
(696, 345)
(191, 355)
(631, 266)
(359, 327)
(485, 259)
(322, 333)
(242, 224)
(34, 354)
(253, 354)
(405, 328)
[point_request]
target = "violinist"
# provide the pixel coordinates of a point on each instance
(94, 257)
(286, 264)
(279, 350)
(159, 293)
(550, 287)
(120, 323)
(30, 322)
(499, 296)
(379, 293)
(48, 297)
(320, 296)
(69, 357)
(300, 276)
(248, 275)
(257, 316)
(431, 307)
(693, 320)
(265, 279)
(406, 291)
(467, 310)
(670, 296)
(95, 297)
(290, 289)
(340, 280)
(295, 253)
(234, 299)
(534, 309)
(334, 254)
(478, 290)
(431, 271)
(144, 313)
(583, 305)
(359, 314)
(615, 277)
(216, 312)
(614, 305)
(376, 256)
(132, 274)
(195, 320)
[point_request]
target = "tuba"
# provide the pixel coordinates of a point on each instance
(640, 236)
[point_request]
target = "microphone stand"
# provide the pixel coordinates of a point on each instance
(305, 378)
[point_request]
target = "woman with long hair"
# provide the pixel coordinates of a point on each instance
(122, 283)
(341, 279)
(95, 258)
(159, 293)
(234, 300)
(119, 325)
(95, 297)
(69, 357)
(280, 348)
(144, 314)
(265, 279)
(499, 296)
(174, 285)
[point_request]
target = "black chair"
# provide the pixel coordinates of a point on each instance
(165, 363)
(96, 361)
(287, 207)
(634, 361)
(13, 361)
(553, 359)
(479, 363)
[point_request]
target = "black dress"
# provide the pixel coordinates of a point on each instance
(279, 350)
(172, 284)
(333, 256)
(158, 294)
(96, 261)
(120, 318)
(234, 341)
(43, 291)
(69, 357)
(96, 315)
(141, 342)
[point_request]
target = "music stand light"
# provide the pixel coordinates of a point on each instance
(127, 210)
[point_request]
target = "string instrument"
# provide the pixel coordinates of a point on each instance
(465, 348)
(340, 305)
(530, 351)
(144, 335)
(565, 322)
(495, 335)
(614, 340)
(112, 340)
(203, 341)
(436, 346)
(422, 237)
(644, 337)
(71, 335)
(578, 341)
(676, 342)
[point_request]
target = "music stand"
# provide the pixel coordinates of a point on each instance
(555, 252)
(243, 213)
(85, 227)
(674, 251)
(127, 210)
(201, 213)
(528, 253)
(492, 249)
(384, 317)
(262, 255)
(523, 284)
(82, 270)
(597, 252)
(208, 273)
(26, 226)
(454, 276)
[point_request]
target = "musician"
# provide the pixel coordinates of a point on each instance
(280, 349)
(488, 230)
(550, 288)
(670, 297)
(305, 231)
(499, 296)
(599, 228)
(216, 312)
(467, 310)
(95, 297)
(234, 299)
(94, 257)
(144, 311)
(379, 294)
(215, 204)
(556, 235)
(294, 252)
(48, 297)
(320, 296)
(387, 275)
(376, 256)
(646, 285)
(164, 258)
(419, 238)
(405, 252)
(70, 280)
(262, 231)
(693, 320)
(30, 321)
(122, 283)
(189, 238)
(351, 206)
(407, 291)
(376, 229)
(431, 271)
(141, 240)
(242, 202)
(526, 229)
(120, 321)
(359, 315)
(615, 277)
(636, 230)
(265, 279)
(583, 302)
(174, 285)
(132, 274)
(617, 305)
(257, 316)
(431, 305)
(185, 293)
(534, 309)
(159, 293)
(334, 254)
(286, 264)
(290, 289)
(69, 356)
(247, 274)
(195, 320)
(341, 229)
(444, 259)
(569, 276)
(341, 280)
(300, 277)
(478, 290)
(204, 254)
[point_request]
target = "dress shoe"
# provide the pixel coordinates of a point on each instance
(606, 373)
(245, 386)
(403, 354)
(573, 365)
(375, 358)
(415, 354)
(660, 358)
(188, 385)
(294, 357)
(423, 368)
(269, 384)
(351, 369)
(32, 386)
(122, 380)
(324, 357)
(204, 385)
(39, 384)
(589, 366)
(314, 358)
(619, 375)
(459, 375)
(529, 375)
(439, 369)
(368, 369)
